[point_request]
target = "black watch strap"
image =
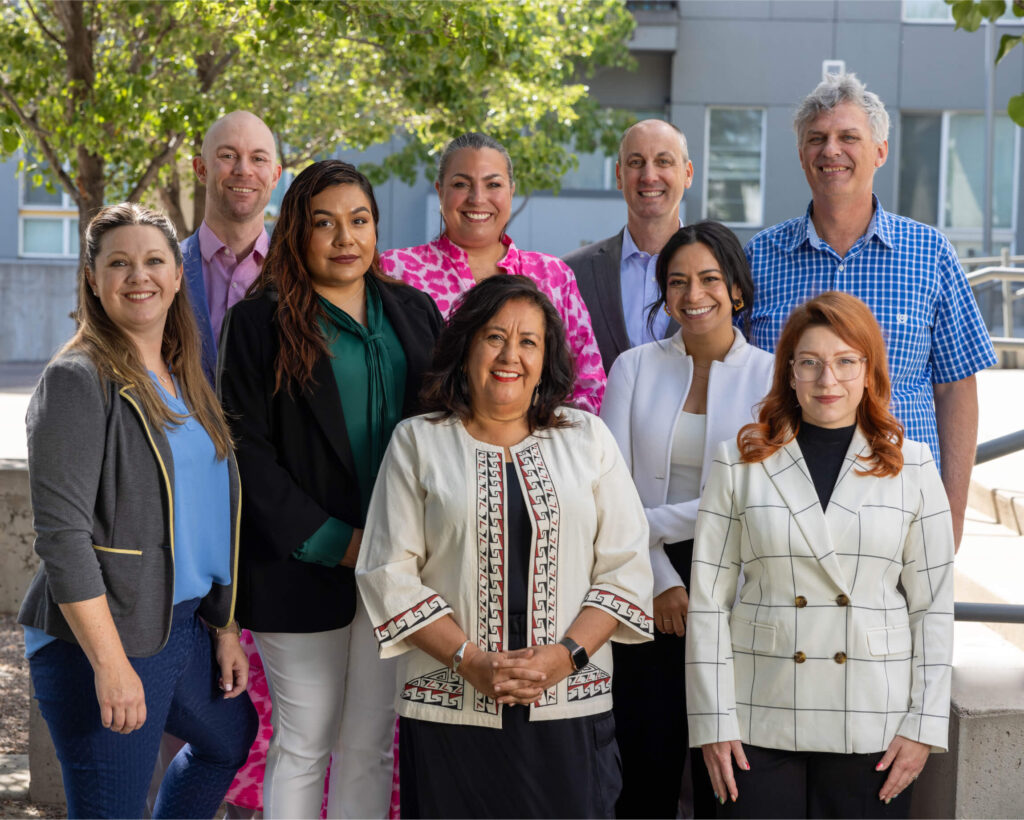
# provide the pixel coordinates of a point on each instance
(577, 653)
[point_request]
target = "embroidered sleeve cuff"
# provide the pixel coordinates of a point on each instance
(401, 626)
(622, 610)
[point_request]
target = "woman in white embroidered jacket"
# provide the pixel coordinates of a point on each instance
(669, 404)
(505, 544)
(825, 682)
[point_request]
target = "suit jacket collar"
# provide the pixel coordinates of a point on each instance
(822, 529)
(607, 263)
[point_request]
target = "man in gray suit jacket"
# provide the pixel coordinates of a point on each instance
(616, 275)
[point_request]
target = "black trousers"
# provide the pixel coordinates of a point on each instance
(649, 691)
(812, 784)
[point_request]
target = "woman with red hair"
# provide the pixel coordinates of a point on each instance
(820, 689)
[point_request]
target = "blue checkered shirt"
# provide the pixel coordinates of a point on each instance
(909, 275)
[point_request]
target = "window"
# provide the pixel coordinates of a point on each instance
(734, 177)
(47, 220)
(942, 175)
(939, 11)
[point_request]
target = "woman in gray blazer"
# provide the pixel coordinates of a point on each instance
(822, 688)
(669, 403)
(129, 624)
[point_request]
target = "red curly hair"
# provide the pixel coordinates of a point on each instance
(779, 416)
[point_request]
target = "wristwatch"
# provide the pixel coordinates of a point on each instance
(577, 654)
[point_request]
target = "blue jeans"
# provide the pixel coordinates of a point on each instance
(107, 774)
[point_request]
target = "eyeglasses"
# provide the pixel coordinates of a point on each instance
(844, 368)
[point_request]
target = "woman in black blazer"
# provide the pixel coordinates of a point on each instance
(317, 366)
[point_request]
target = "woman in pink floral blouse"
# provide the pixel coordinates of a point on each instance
(475, 186)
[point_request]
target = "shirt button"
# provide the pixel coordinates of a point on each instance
(800, 601)
(800, 657)
(839, 657)
(842, 599)
(842, 267)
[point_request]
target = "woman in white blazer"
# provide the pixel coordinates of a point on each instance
(822, 690)
(669, 404)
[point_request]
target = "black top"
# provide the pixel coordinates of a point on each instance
(824, 449)
(517, 540)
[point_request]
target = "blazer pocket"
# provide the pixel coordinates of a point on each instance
(889, 640)
(121, 567)
(753, 636)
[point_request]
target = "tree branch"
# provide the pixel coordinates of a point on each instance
(42, 25)
(155, 164)
(49, 154)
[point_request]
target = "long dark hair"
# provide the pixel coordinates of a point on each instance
(445, 390)
(284, 270)
(115, 356)
(726, 249)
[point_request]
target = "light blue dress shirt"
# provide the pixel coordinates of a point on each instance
(639, 291)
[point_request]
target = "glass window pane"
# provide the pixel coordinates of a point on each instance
(734, 165)
(596, 172)
(926, 10)
(72, 237)
(920, 144)
(38, 195)
(43, 236)
(965, 172)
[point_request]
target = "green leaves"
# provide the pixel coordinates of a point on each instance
(1007, 42)
(969, 15)
(322, 75)
(1016, 109)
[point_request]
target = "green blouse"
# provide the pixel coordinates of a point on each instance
(369, 373)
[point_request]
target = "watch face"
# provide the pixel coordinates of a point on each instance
(579, 658)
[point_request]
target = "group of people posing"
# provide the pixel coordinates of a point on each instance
(286, 488)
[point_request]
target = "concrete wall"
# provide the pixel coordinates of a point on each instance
(37, 298)
(18, 562)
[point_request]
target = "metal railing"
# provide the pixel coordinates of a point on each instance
(989, 613)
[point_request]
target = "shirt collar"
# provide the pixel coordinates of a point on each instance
(210, 244)
(510, 262)
(880, 226)
(629, 247)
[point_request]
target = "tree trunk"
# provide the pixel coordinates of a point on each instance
(170, 199)
(90, 177)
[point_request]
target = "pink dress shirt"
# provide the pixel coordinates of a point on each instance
(441, 269)
(227, 278)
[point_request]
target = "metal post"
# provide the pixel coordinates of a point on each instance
(990, 101)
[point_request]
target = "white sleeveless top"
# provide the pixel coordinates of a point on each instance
(687, 458)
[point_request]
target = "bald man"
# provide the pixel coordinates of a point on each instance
(238, 165)
(616, 275)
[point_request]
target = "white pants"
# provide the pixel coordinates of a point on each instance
(331, 696)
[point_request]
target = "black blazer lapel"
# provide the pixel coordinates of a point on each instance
(325, 404)
(417, 323)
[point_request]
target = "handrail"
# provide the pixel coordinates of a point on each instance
(989, 613)
(998, 447)
(995, 274)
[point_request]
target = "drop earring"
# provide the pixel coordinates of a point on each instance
(667, 311)
(737, 304)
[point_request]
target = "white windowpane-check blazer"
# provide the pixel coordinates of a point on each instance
(821, 651)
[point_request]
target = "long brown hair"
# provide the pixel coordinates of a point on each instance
(284, 270)
(779, 416)
(114, 353)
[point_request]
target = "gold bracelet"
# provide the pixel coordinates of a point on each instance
(232, 627)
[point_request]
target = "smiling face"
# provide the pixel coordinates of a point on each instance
(342, 241)
(653, 171)
(239, 168)
(505, 361)
(826, 401)
(476, 197)
(839, 155)
(136, 278)
(698, 297)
